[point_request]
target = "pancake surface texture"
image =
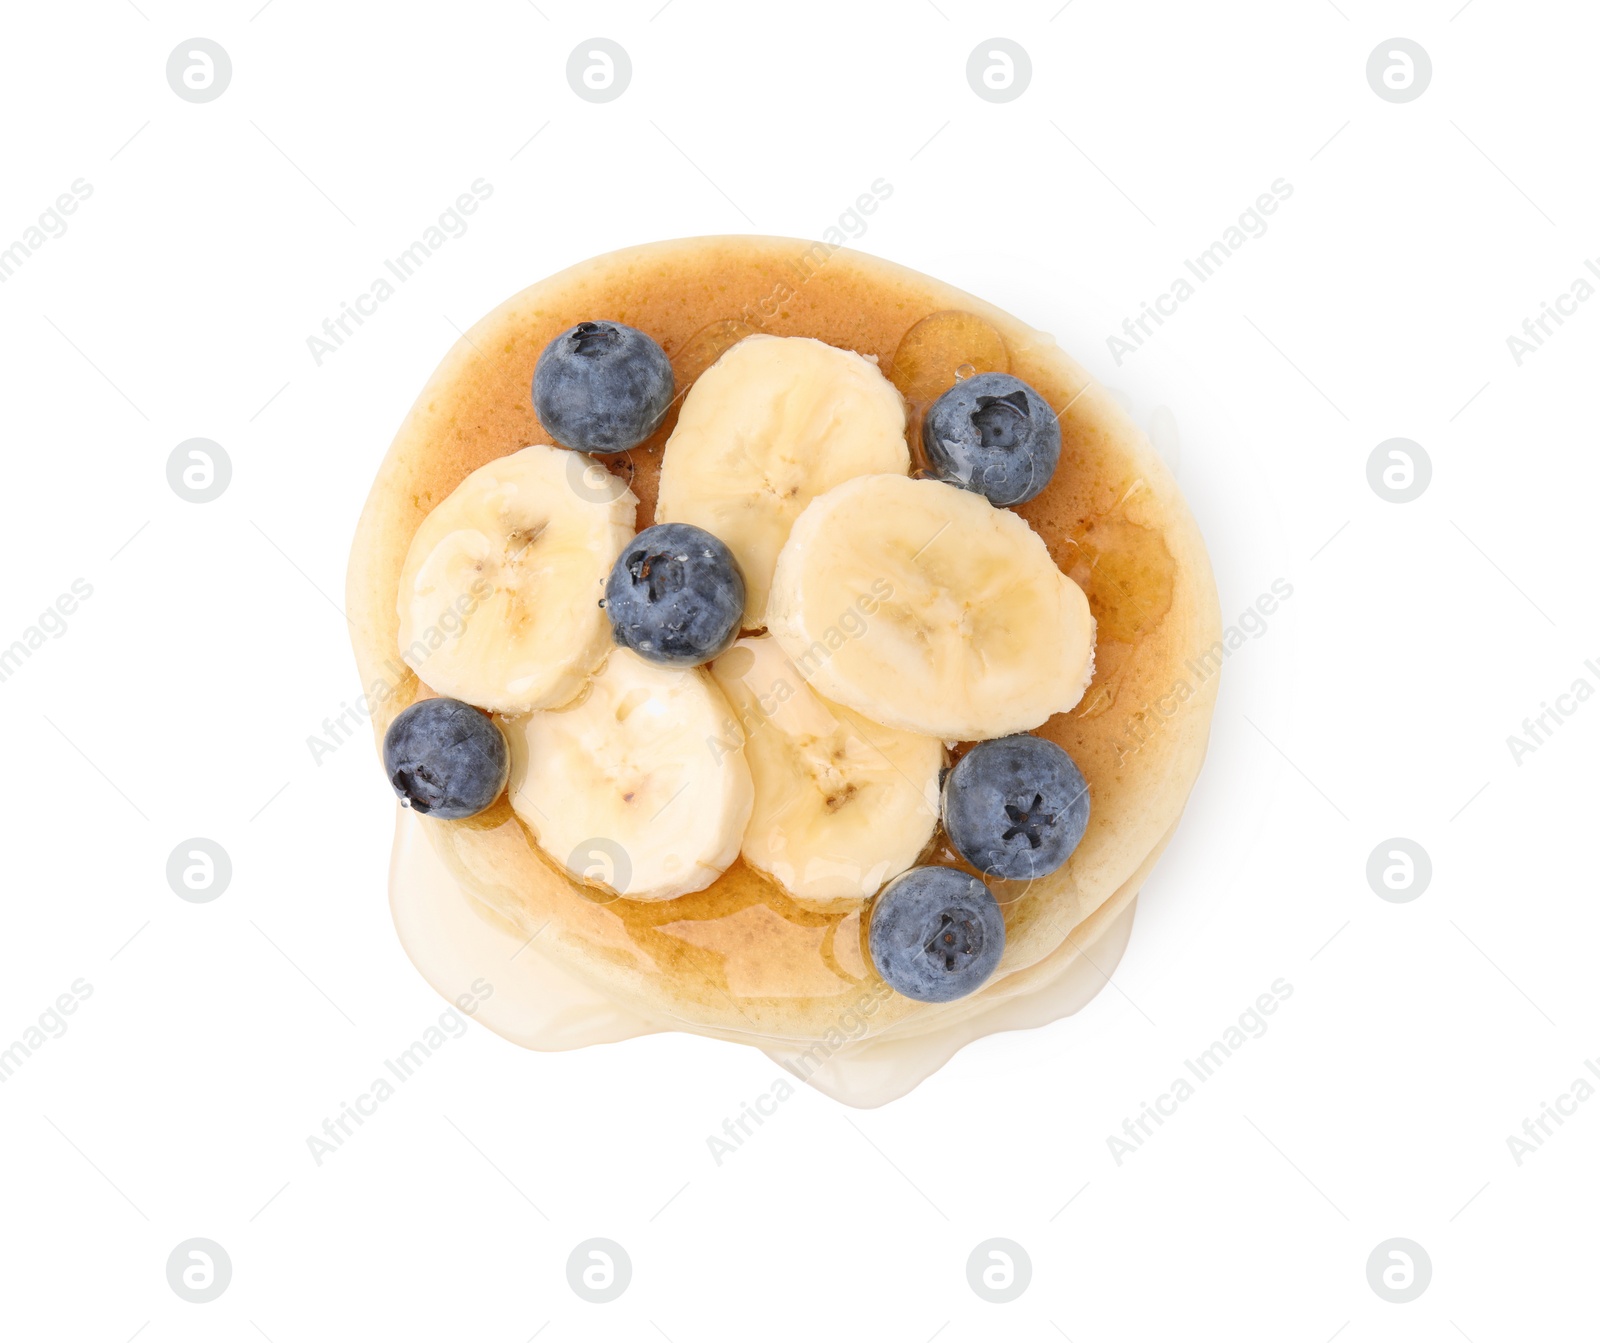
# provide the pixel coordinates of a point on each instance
(740, 959)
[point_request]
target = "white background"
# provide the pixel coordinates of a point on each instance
(1377, 704)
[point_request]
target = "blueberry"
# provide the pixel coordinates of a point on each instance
(445, 759)
(936, 934)
(1015, 807)
(601, 387)
(995, 435)
(675, 595)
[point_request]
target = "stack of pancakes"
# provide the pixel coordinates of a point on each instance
(740, 959)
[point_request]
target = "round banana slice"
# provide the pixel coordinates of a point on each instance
(500, 594)
(644, 777)
(842, 804)
(927, 609)
(772, 424)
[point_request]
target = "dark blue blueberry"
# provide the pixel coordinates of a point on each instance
(601, 387)
(675, 595)
(445, 759)
(1015, 807)
(936, 934)
(995, 435)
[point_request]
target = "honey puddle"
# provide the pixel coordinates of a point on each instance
(537, 1003)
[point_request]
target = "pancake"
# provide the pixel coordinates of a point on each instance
(740, 959)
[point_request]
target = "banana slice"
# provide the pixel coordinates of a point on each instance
(499, 597)
(642, 773)
(772, 424)
(842, 804)
(927, 609)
